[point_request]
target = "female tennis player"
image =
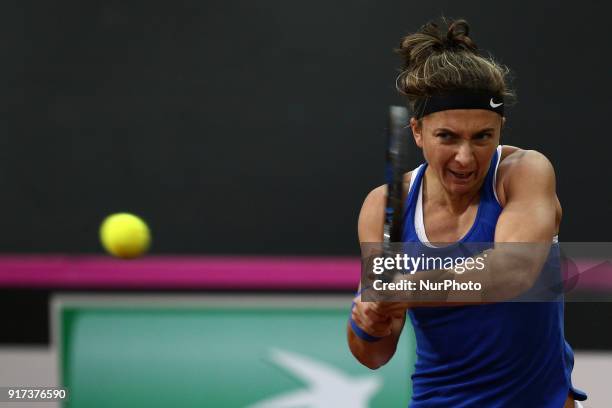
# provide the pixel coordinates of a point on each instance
(470, 189)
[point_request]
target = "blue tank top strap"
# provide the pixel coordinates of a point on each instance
(488, 189)
(413, 193)
(409, 233)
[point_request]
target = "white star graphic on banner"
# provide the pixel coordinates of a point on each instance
(328, 387)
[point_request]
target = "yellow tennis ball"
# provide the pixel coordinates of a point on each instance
(125, 235)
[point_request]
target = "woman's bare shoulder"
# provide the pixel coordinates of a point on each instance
(517, 161)
(508, 151)
(371, 216)
(378, 194)
(513, 157)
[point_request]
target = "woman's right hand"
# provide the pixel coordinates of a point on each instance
(372, 322)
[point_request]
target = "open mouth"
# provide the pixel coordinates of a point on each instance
(461, 175)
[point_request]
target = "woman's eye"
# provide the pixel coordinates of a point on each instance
(443, 135)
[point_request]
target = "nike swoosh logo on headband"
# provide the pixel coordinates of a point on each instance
(495, 105)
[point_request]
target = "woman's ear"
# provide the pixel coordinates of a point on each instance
(416, 132)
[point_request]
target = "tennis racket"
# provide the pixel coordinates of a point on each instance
(396, 165)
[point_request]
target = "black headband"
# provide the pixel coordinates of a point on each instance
(461, 99)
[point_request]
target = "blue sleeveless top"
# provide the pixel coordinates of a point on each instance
(506, 355)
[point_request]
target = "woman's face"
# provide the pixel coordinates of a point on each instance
(458, 146)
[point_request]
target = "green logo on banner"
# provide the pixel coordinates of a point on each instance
(208, 355)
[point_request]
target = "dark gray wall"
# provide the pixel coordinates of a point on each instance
(258, 127)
